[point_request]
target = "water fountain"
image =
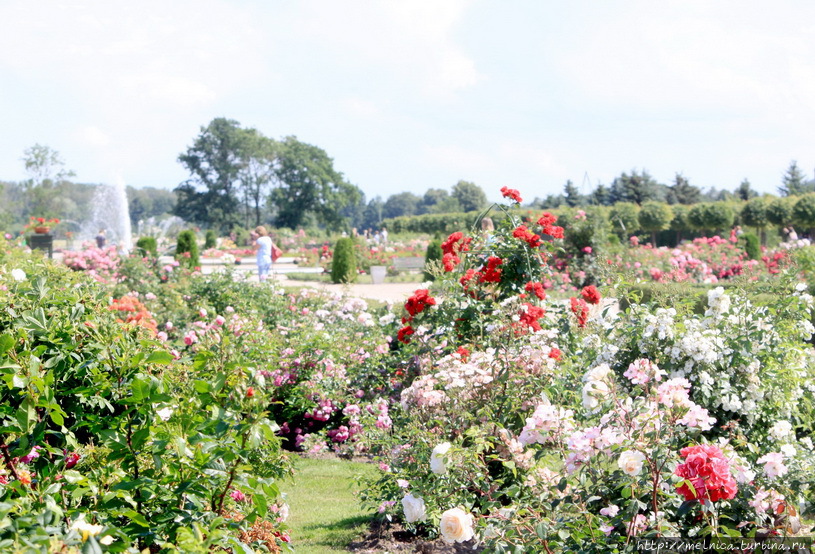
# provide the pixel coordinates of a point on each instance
(110, 212)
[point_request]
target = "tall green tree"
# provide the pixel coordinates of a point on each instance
(572, 195)
(470, 196)
(682, 192)
(793, 182)
(309, 186)
(601, 196)
(404, 203)
(215, 161)
(636, 188)
(47, 173)
(745, 191)
(257, 174)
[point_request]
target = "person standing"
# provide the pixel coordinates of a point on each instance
(101, 239)
(263, 249)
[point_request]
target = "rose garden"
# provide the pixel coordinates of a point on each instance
(544, 390)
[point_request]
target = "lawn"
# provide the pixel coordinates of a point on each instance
(325, 513)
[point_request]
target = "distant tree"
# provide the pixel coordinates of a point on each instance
(551, 202)
(601, 196)
(215, 161)
(404, 203)
(636, 188)
(682, 192)
(745, 191)
(711, 216)
(46, 171)
(754, 214)
(44, 166)
(432, 197)
(624, 218)
(310, 186)
(793, 182)
(655, 217)
(257, 173)
(372, 215)
(572, 195)
(470, 196)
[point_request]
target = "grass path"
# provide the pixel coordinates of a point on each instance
(325, 513)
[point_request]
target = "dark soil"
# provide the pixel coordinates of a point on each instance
(387, 537)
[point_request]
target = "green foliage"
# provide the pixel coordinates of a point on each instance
(148, 245)
(186, 251)
(754, 213)
(431, 223)
(624, 218)
(779, 211)
(711, 216)
(470, 196)
(654, 217)
(752, 246)
(432, 256)
(125, 437)
(210, 239)
(344, 264)
(803, 212)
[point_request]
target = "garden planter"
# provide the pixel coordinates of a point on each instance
(42, 230)
(378, 273)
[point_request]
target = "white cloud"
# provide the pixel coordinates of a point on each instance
(93, 136)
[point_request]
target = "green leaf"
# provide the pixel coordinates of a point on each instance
(137, 518)
(159, 357)
(56, 417)
(6, 343)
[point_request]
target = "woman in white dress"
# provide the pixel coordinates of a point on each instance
(263, 248)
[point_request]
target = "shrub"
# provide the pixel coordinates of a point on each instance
(186, 251)
(210, 239)
(148, 245)
(344, 266)
(433, 255)
(751, 246)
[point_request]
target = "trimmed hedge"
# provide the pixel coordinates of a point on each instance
(187, 244)
(344, 264)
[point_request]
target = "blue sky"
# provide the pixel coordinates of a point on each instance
(413, 94)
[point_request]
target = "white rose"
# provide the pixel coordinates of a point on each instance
(18, 274)
(631, 462)
(414, 508)
(456, 526)
(437, 458)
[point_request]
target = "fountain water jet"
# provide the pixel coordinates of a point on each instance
(110, 212)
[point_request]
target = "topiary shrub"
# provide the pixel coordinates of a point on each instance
(751, 246)
(344, 265)
(433, 254)
(210, 239)
(148, 245)
(186, 250)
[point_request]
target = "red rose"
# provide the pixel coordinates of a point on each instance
(491, 273)
(708, 470)
(537, 289)
(511, 193)
(404, 333)
(591, 294)
(555, 354)
(250, 392)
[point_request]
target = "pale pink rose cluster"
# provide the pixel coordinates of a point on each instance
(642, 371)
(548, 423)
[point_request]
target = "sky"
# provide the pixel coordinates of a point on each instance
(415, 94)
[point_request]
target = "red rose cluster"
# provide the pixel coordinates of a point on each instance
(590, 294)
(414, 305)
(521, 232)
(452, 247)
(547, 222)
(511, 193)
(530, 315)
(536, 289)
(708, 471)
